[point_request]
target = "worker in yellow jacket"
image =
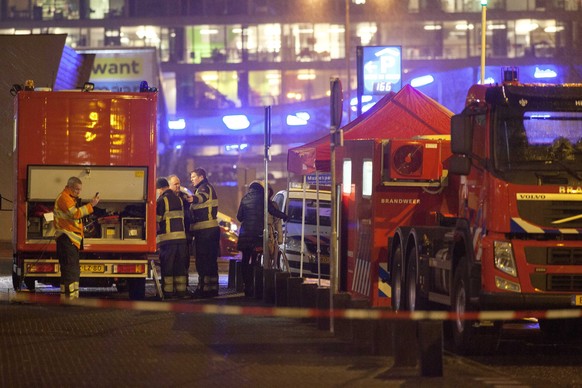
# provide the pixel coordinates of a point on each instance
(68, 213)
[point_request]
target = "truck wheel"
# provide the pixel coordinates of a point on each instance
(16, 281)
(121, 285)
(414, 299)
(136, 288)
(397, 286)
(462, 329)
(468, 338)
(30, 284)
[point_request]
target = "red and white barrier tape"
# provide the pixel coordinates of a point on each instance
(292, 312)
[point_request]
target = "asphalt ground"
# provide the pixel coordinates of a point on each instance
(48, 345)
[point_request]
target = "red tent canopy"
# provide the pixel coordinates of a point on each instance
(405, 114)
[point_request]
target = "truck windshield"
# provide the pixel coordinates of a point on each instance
(538, 141)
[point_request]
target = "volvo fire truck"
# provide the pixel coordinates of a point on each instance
(488, 218)
(108, 140)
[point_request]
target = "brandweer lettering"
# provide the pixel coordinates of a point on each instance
(411, 201)
(570, 190)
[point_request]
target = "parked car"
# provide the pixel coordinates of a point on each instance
(293, 243)
(228, 235)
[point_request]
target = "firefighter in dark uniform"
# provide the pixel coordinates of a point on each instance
(183, 193)
(171, 241)
(204, 227)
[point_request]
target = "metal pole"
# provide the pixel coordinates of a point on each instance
(266, 258)
(336, 110)
(347, 35)
(333, 262)
(483, 36)
(302, 227)
(317, 228)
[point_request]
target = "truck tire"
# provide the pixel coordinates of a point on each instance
(414, 299)
(136, 288)
(467, 337)
(30, 284)
(16, 281)
(397, 280)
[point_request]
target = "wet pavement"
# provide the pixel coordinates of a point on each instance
(125, 344)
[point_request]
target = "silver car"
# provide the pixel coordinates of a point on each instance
(301, 250)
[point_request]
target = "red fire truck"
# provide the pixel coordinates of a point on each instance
(108, 140)
(489, 218)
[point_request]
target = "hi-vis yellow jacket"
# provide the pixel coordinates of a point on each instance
(67, 216)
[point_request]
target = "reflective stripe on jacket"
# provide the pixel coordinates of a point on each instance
(170, 218)
(204, 207)
(67, 216)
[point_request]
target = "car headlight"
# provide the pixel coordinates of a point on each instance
(503, 256)
(293, 245)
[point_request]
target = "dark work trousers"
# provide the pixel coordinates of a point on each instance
(174, 262)
(207, 243)
(68, 255)
(248, 262)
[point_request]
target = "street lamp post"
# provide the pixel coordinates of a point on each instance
(347, 37)
(483, 35)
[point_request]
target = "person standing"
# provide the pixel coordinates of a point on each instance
(171, 241)
(250, 239)
(68, 214)
(206, 232)
(177, 188)
(184, 194)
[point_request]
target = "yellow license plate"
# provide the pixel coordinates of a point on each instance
(577, 300)
(95, 268)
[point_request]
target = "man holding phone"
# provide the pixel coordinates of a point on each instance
(69, 235)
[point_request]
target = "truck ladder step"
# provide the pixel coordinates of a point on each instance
(159, 291)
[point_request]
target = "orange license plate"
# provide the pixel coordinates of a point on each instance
(93, 268)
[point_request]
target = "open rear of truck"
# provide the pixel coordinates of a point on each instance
(108, 140)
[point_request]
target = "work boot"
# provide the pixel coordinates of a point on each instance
(185, 295)
(198, 294)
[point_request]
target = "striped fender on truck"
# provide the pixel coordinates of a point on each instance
(384, 289)
(519, 225)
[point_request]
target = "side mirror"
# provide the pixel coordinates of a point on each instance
(461, 134)
(459, 165)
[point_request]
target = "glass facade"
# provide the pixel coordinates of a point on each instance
(264, 45)
(286, 51)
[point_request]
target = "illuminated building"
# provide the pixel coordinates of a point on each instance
(223, 61)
